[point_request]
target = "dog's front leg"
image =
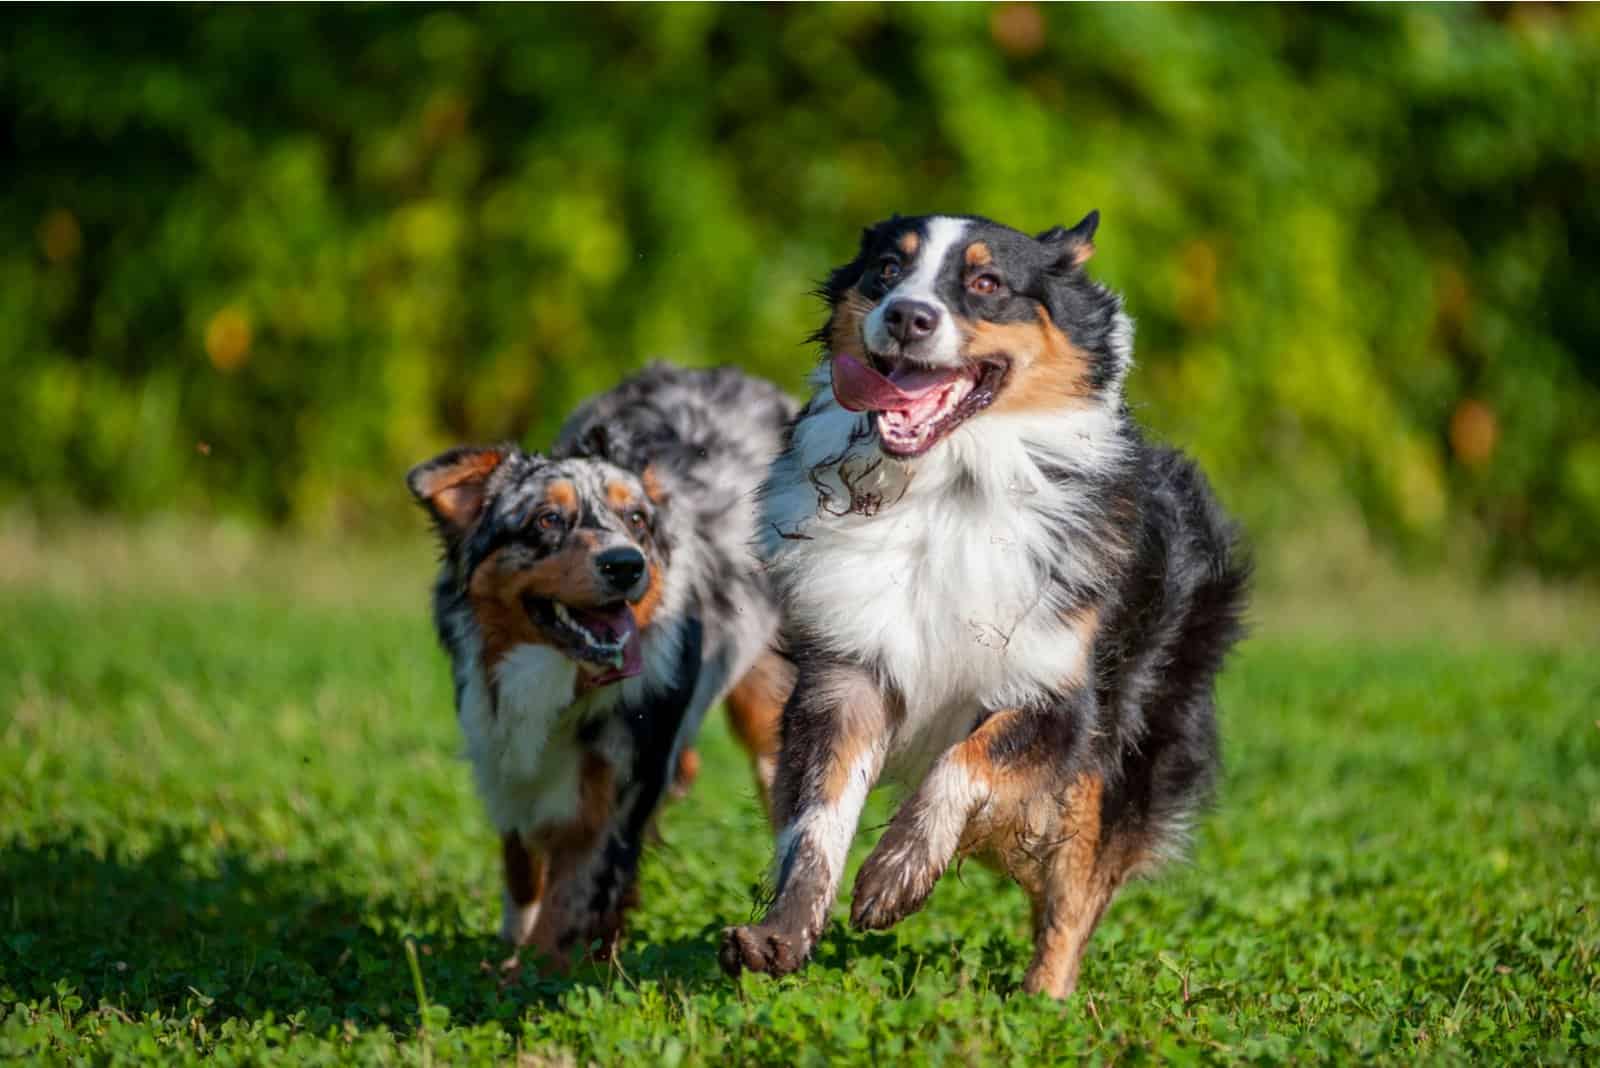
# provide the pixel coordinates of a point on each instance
(986, 791)
(835, 735)
(525, 872)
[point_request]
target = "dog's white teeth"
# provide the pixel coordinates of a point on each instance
(607, 649)
(566, 617)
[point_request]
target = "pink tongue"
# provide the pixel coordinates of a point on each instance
(859, 388)
(609, 626)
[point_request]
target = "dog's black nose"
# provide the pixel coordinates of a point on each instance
(621, 567)
(910, 320)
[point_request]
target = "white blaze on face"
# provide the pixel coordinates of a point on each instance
(943, 236)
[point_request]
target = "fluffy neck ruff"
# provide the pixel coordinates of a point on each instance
(954, 576)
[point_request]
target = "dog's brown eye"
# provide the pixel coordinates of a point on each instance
(889, 271)
(637, 520)
(549, 521)
(984, 283)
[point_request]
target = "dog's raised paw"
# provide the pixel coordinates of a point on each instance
(889, 887)
(759, 949)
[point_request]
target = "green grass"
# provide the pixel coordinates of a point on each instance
(225, 812)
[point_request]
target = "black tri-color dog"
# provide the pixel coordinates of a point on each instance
(995, 591)
(595, 603)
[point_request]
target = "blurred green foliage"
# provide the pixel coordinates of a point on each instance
(259, 260)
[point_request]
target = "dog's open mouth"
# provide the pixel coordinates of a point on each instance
(916, 405)
(603, 640)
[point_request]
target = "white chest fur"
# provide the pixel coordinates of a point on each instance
(520, 722)
(523, 744)
(940, 574)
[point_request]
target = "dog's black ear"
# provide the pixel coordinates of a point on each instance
(596, 442)
(451, 485)
(1072, 248)
(601, 443)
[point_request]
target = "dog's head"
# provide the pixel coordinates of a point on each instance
(563, 553)
(940, 318)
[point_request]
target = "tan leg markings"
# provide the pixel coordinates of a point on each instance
(1072, 889)
(832, 754)
(956, 805)
(755, 712)
(1018, 817)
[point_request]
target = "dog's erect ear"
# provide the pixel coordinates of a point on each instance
(450, 486)
(1072, 247)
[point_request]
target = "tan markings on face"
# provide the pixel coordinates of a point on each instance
(562, 495)
(1048, 372)
(619, 495)
(978, 255)
(644, 609)
(499, 583)
(910, 241)
(502, 622)
(652, 484)
(844, 329)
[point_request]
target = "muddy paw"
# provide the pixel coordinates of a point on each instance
(890, 886)
(760, 949)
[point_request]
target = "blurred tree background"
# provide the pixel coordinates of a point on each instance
(258, 260)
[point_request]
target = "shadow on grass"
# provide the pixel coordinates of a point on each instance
(185, 929)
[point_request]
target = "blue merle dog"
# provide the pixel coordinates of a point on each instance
(595, 602)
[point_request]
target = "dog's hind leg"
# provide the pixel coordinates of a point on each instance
(835, 731)
(755, 712)
(1070, 891)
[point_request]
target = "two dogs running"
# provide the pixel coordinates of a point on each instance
(959, 567)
